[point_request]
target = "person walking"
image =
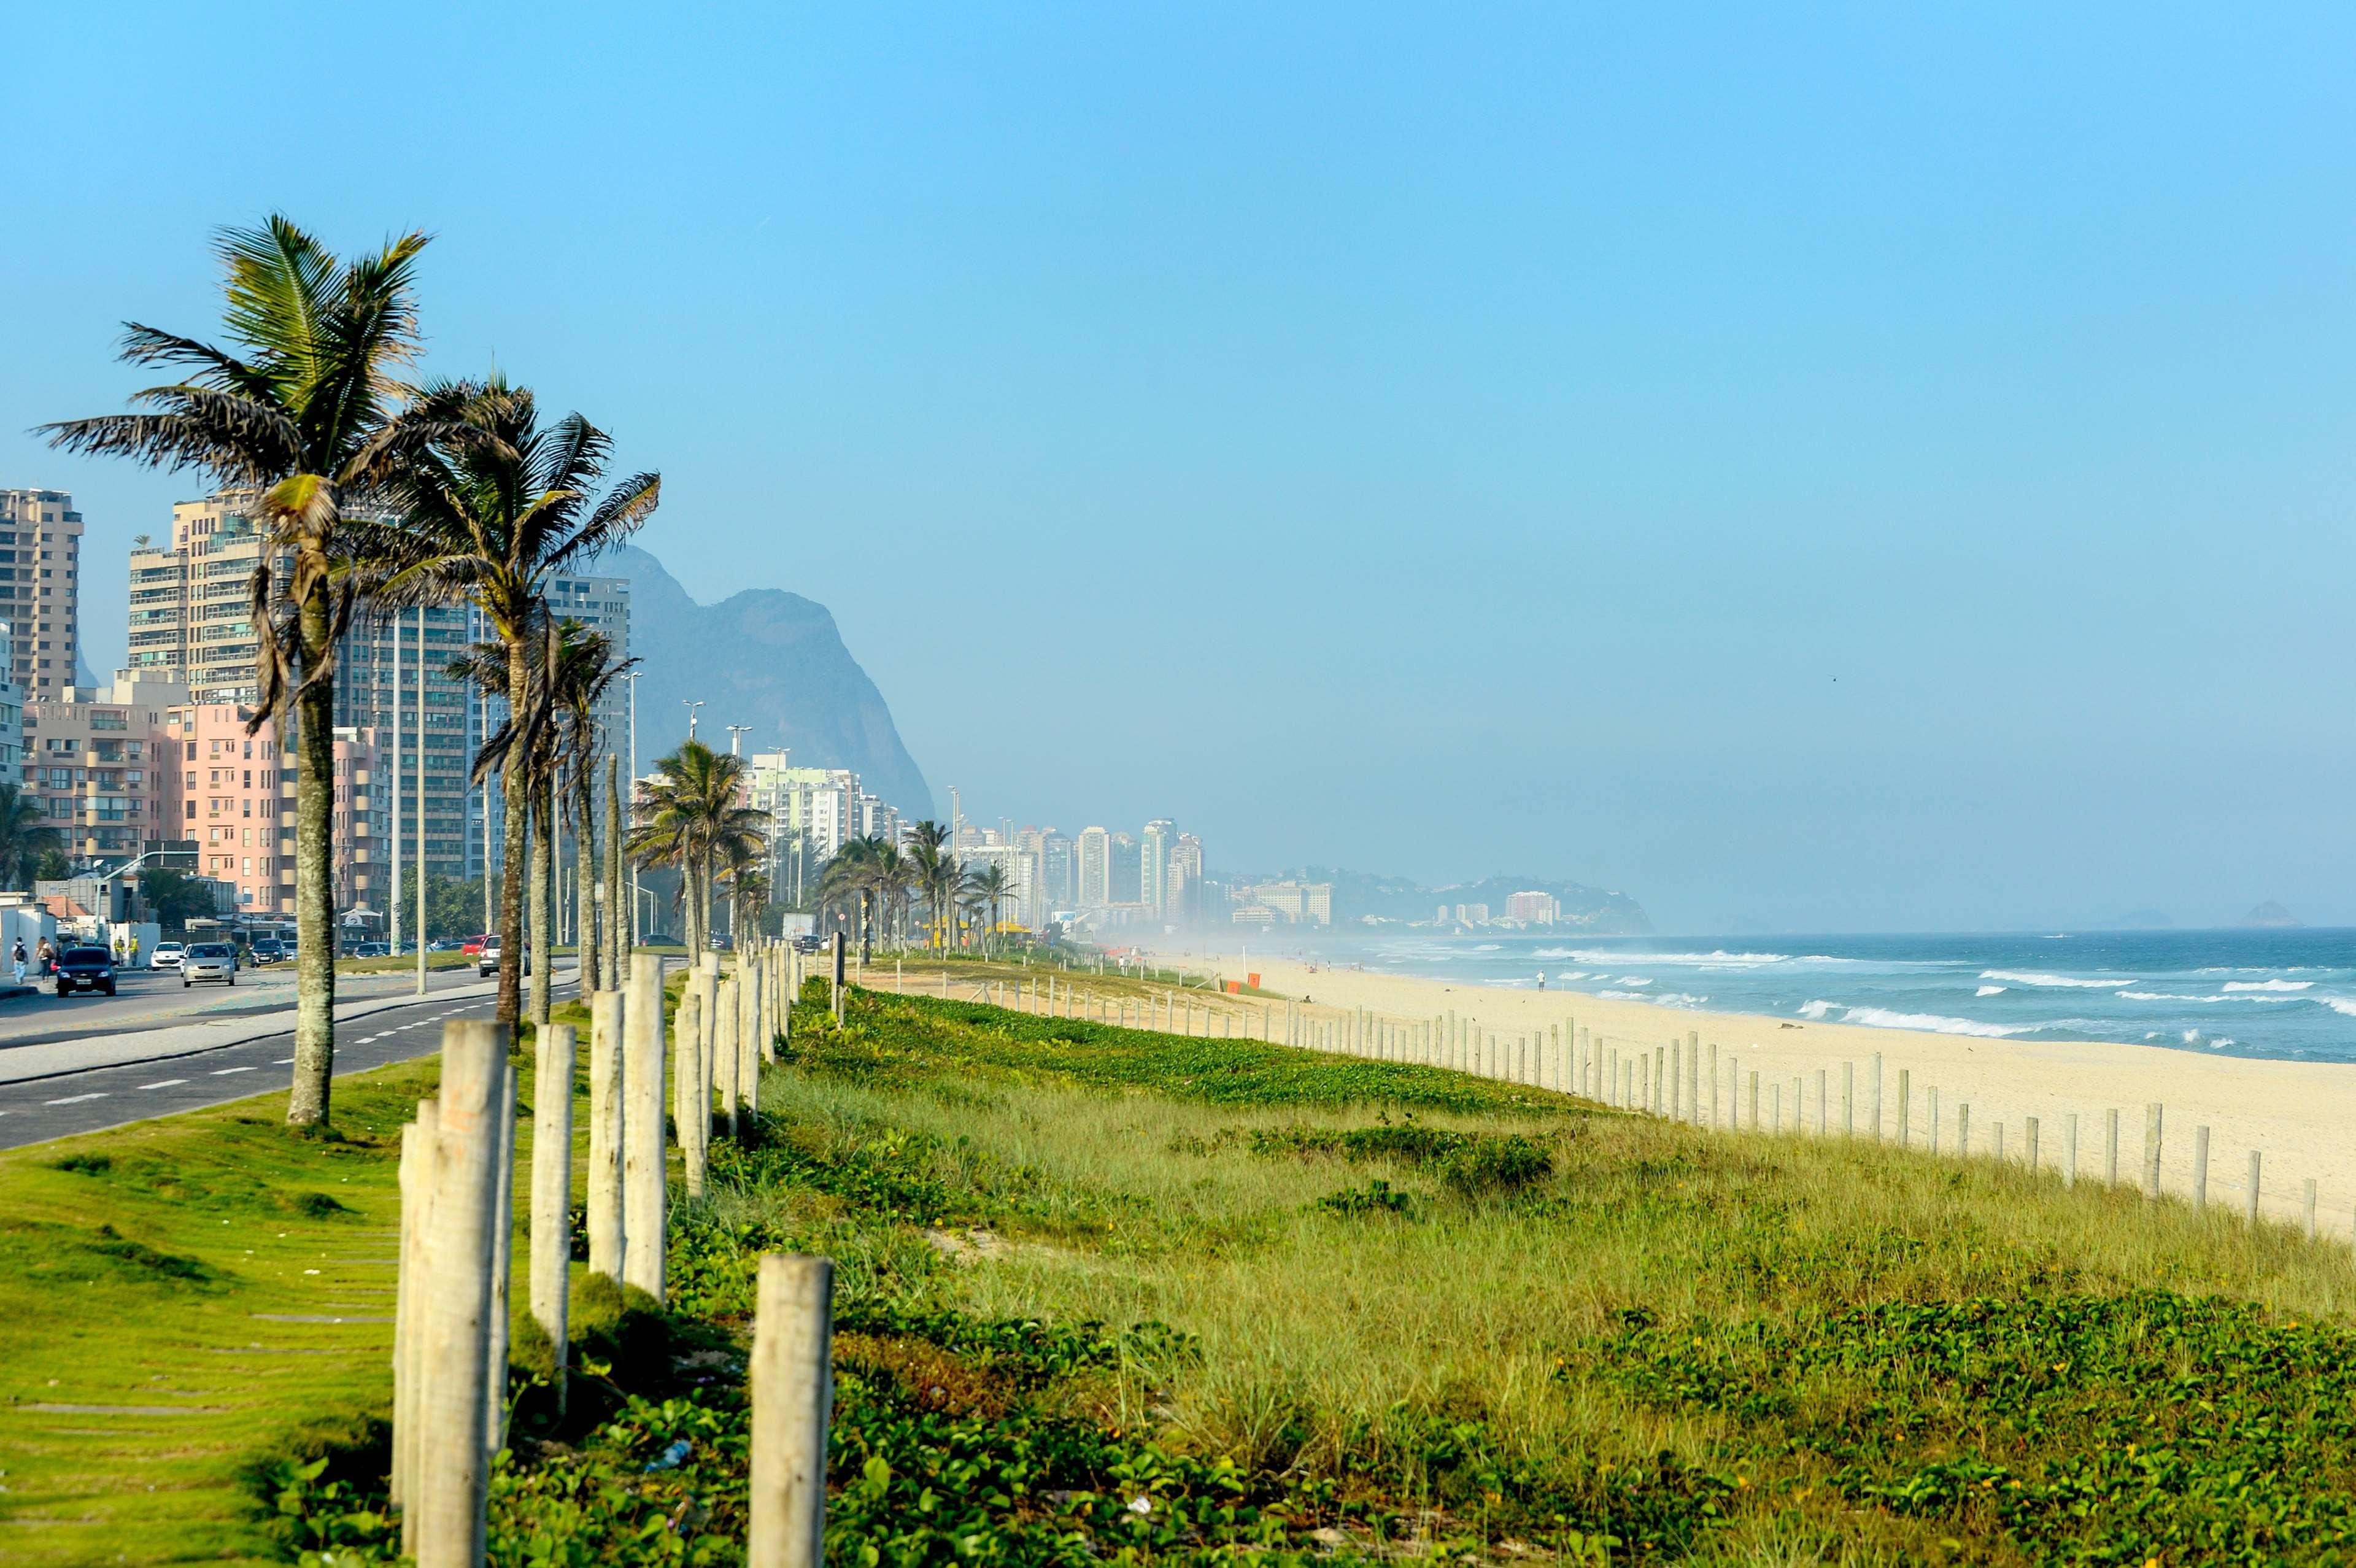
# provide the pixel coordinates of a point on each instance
(20, 961)
(47, 957)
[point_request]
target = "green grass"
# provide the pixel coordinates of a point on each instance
(1105, 1294)
(404, 964)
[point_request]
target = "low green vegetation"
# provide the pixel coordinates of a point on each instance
(1105, 1295)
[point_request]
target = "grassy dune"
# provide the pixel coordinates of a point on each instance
(1106, 1293)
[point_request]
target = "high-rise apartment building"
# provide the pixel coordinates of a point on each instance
(812, 811)
(99, 762)
(1094, 868)
(1154, 865)
(191, 600)
(40, 548)
(1186, 882)
(1533, 908)
(1121, 870)
(233, 799)
(453, 731)
(1059, 870)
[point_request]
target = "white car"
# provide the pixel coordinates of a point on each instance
(209, 960)
(167, 955)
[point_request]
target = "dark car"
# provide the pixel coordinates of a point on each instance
(268, 949)
(809, 944)
(85, 969)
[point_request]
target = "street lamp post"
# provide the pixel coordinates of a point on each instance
(635, 929)
(421, 800)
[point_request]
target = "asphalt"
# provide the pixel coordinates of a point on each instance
(86, 1073)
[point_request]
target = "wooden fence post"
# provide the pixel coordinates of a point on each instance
(2200, 1169)
(607, 1242)
(793, 1399)
(2151, 1150)
(551, 1190)
(643, 1197)
(453, 1459)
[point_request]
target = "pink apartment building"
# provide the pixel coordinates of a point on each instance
(234, 797)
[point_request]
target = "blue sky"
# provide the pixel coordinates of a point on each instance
(1812, 468)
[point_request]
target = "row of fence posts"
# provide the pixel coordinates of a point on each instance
(1667, 1079)
(456, 1183)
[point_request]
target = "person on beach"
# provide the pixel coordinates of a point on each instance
(1542, 980)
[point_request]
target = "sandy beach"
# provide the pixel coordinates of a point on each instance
(2296, 1115)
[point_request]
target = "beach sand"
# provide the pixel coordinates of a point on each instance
(2299, 1116)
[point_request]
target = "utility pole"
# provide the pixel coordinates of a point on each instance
(736, 739)
(420, 800)
(692, 704)
(956, 820)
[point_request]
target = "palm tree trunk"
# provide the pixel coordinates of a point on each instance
(584, 882)
(314, 876)
(618, 915)
(543, 908)
(514, 790)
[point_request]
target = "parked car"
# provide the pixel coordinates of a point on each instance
(167, 955)
(85, 969)
(447, 944)
(209, 960)
(268, 949)
(371, 949)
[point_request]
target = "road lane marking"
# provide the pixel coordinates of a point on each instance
(74, 1098)
(282, 1062)
(225, 1071)
(167, 1083)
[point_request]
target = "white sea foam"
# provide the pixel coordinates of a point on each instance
(1677, 999)
(2343, 1005)
(1989, 991)
(1635, 980)
(1884, 1018)
(1816, 1009)
(2167, 996)
(1627, 996)
(2267, 984)
(2034, 978)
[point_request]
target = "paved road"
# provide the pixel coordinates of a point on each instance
(153, 997)
(99, 1098)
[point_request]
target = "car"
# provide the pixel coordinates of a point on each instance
(209, 960)
(268, 949)
(445, 944)
(85, 969)
(473, 946)
(720, 942)
(371, 949)
(809, 944)
(487, 961)
(166, 955)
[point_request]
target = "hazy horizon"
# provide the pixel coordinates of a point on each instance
(1814, 474)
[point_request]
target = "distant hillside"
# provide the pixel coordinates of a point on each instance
(2270, 913)
(1358, 894)
(764, 658)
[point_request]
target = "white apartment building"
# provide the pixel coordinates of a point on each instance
(1154, 848)
(1094, 868)
(40, 573)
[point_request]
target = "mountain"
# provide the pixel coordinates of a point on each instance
(764, 658)
(1358, 894)
(2269, 914)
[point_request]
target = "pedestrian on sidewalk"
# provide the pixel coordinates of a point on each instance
(20, 961)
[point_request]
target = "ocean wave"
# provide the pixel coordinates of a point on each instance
(1625, 996)
(1816, 1009)
(1989, 991)
(2343, 1005)
(1676, 999)
(2167, 996)
(1612, 956)
(2034, 978)
(1635, 980)
(2267, 984)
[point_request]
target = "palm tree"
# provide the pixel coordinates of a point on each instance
(990, 888)
(25, 836)
(527, 745)
(851, 879)
(748, 890)
(496, 507)
(938, 873)
(689, 818)
(585, 675)
(304, 407)
(895, 880)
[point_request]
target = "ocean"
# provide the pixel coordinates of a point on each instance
(2288, 993)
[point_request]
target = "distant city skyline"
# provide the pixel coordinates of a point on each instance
(1817, 476)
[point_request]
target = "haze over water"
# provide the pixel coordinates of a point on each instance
(2288, 994)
